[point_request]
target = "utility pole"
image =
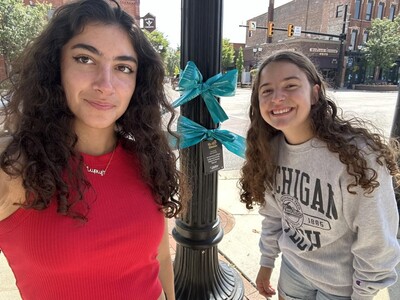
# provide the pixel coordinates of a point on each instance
(199, 274)
(270, 17)
(342, 38)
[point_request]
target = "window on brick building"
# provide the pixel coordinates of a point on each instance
(381, 8)
(365, 37)
(339, 11)
(357, 9)
(392, 12)
(353, 39)
(368, 14)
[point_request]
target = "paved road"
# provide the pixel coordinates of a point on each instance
(375, 106)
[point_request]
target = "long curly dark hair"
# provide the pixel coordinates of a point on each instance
(40, 123)
(328, 125)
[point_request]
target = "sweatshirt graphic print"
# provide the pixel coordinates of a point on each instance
(325, 232)
(320, 206)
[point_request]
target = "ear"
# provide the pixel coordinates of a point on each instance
(315, 94)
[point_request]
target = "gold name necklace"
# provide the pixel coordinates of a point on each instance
(104, 171)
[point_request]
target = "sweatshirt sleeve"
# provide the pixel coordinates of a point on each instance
(374, 220)
(271, 230)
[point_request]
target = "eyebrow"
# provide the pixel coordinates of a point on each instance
(97, 52)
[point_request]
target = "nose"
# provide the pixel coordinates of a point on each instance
(104, 81)
(278, 95)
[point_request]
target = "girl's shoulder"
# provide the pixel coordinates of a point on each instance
(11, 188)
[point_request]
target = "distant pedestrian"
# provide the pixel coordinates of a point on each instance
(87, 176)
(325, 186)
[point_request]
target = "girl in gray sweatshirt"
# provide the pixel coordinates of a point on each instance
(324, 186)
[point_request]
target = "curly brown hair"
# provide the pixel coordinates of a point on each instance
(40, 123)
(329, 126)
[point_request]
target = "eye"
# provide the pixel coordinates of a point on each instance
(83, 59)
(266, 91)
(125, 69)
(291, 85)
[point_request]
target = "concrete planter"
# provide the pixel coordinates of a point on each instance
(376, 87)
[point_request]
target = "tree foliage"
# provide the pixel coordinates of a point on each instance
(240, 63)
(159, 42)
(382, 47)
(19, 23)
(172, 61)
(228, 55)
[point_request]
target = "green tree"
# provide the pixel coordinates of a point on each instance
(19, 23)
(159, 42)
(172, 61)
(239, 64)
(382, 48)
(228, 55)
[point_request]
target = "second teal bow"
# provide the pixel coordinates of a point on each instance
(220, 85)
(192, 133)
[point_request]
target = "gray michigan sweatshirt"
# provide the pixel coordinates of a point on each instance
(343, 243)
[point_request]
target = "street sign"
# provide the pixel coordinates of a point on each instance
(252, 25)
(149, 22)
(297, 31)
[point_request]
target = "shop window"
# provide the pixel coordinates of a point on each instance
(353, 40)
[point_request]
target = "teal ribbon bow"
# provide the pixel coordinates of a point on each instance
(220, 85)
(192, 133)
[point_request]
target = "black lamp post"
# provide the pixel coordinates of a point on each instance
(395, 130)
(199, 275)
(395, 133)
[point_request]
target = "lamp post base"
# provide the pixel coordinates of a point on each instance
(207, 278)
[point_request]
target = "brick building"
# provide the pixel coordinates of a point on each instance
(361, 13)
(334, 17)
(130, 6)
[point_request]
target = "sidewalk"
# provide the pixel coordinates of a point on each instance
(239, 247)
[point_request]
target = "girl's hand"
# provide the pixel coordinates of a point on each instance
(263, 282)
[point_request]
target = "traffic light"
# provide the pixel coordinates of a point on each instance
(270, 30)
(290, 30)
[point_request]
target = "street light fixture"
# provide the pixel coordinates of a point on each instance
(256, 53)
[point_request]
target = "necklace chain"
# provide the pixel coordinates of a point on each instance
(104, 171)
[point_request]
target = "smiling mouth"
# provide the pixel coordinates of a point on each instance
(100, 105)
(281, 111)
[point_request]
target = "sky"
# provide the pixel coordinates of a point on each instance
(236, 12)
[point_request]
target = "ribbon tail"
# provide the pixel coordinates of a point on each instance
(216, 111)
(237, 146)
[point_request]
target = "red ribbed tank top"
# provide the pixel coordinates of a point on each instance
(111, 256)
